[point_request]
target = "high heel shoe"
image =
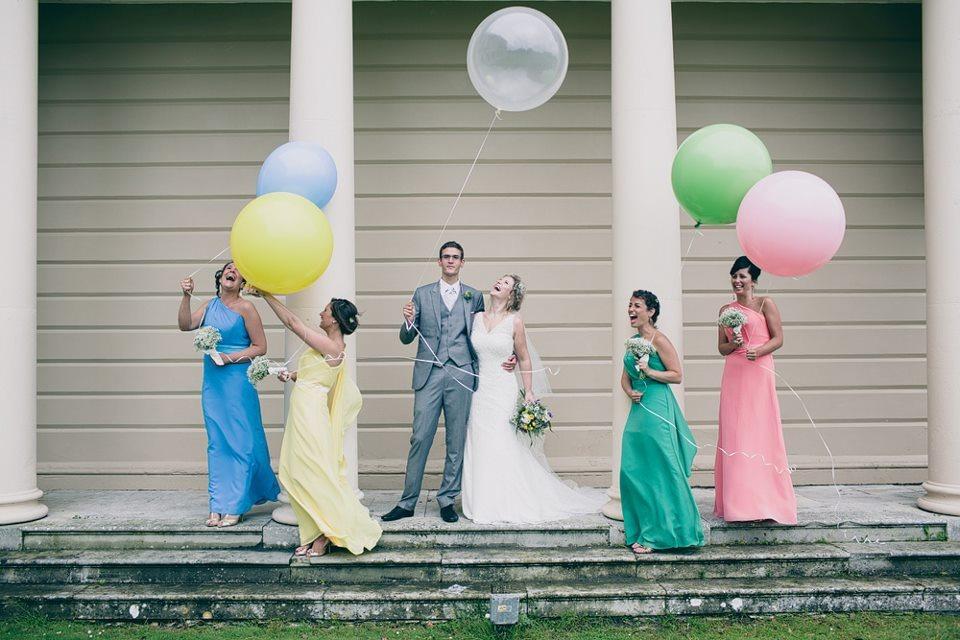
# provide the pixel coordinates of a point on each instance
(229, 521)
(324, 548)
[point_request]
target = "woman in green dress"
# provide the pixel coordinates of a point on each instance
(659, 511)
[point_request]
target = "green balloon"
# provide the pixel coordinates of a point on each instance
(713, 170)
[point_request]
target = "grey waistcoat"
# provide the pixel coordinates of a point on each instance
(453, 334)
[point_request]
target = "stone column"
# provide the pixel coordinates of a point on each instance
(644, 128)
(941, 166)
(19, 495)
(321, 111)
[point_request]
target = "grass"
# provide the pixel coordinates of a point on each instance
(856, 626)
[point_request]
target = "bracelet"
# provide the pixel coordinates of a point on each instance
(229, 359)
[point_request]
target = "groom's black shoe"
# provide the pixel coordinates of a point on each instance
(396, 514)
(449, 514)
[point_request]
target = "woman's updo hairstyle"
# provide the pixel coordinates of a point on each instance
(652, 302)
(743, 262)
(219, 275)
(346, 314)
(516, 294)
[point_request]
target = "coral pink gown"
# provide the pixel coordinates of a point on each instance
(751, 487)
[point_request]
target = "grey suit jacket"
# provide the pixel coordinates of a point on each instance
(426, 318)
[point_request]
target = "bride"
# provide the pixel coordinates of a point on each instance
(506, 477)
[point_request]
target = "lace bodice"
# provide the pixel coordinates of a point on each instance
(493, 347)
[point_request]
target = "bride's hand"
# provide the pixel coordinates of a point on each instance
(510, 363)
(251, 290)
(528, 397)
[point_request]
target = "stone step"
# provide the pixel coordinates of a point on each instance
(140, 535)
(410, 602)
(432, 533)
(828, 530)
(477, 566)
(739, 596)
(259, 531)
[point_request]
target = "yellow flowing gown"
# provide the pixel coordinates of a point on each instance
(313, 469)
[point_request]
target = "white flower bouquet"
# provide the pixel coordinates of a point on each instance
(734, 319)
(640, 348)
(261, 367)
(531, 418)
(206, 341)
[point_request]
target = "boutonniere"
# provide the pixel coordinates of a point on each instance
(468, 295)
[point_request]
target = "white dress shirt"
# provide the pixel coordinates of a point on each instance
(449, 293)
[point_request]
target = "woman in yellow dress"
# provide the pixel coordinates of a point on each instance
(324, 402)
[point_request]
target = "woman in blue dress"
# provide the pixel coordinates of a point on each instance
(238, 461)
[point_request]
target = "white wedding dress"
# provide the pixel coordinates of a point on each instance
(506, 478)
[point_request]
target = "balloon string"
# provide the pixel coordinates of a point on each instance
(746, 454)
(833, 466)
(436, 244)
(444, 366)
(696, 233)
(204, 266)
(476, 158)
(301, 348)
(784, 469)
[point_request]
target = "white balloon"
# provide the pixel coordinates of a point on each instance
(517, 59)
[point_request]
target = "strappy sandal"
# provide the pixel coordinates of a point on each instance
(302, 550)
(639, 549)
(324, 548)
(213, 520)
(229, 521)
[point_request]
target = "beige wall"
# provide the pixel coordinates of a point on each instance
(154, 120)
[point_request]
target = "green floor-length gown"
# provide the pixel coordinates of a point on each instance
(659, 511)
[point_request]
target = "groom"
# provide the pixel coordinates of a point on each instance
(442, 312)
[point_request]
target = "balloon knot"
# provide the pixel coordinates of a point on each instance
(697, 226)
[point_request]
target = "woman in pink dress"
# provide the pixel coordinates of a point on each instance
(751, 473)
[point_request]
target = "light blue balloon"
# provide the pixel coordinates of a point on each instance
(303, 168)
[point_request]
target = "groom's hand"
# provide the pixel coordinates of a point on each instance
(511, 363)
(408, 312)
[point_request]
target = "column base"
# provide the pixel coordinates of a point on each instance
(613, 509)
(940, 498)
(17, 512)
(284, 513)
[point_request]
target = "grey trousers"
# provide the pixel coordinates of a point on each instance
(440, 393)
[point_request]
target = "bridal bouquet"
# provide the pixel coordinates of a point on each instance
(640, 348)
(531, 418)
(261, 367)
(206, 340)
(734, 319)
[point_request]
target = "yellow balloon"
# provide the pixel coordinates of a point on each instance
(281, 242)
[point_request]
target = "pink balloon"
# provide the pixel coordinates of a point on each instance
(791, 223)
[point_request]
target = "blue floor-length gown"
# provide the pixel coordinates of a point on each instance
(238, 461)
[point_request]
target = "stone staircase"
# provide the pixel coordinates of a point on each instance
(114, 568)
